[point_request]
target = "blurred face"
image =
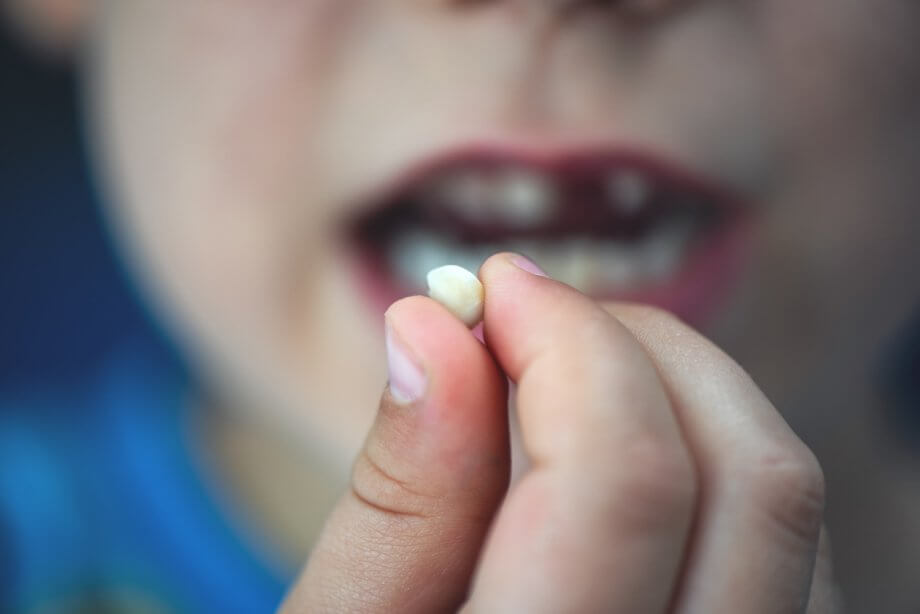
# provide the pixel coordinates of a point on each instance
(280, 170)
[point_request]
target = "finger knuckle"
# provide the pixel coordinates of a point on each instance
(380, 489)
(790, 487)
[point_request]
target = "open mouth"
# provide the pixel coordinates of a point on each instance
(614, 225)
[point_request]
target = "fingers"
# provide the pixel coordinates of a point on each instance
(600, 522)
(434, 468)
(637, 428)
(825, 595)
(762, 501)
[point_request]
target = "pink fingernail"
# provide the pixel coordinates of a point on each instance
(479, 332)
(407, 378)
(526, 264)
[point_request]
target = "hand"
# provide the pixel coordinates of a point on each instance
(662, 479)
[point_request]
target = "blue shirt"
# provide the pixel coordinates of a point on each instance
(102, 507)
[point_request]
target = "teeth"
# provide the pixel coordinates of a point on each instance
(628, 191)
(521, 199)
(586, 264)
(664, 249)
(516, 197)
(524, 199)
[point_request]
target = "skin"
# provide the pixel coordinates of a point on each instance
(235, 140)
(642, 495)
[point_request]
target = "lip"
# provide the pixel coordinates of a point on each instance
(702, 282)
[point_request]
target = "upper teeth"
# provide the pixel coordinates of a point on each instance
(514, 197)
(515, 207)
(524, 199)
(628, 190)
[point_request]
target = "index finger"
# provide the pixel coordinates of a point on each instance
(762, 488)
(601, 521)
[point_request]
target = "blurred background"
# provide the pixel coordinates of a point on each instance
(63, 300)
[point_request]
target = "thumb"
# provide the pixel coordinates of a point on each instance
(433, 470)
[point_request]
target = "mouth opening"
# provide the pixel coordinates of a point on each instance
(614, 226)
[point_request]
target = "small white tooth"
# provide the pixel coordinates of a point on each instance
(524, 199)
(628, 190)
(459, 290)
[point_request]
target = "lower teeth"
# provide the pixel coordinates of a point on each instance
(587, 264)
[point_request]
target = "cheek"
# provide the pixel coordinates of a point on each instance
(717, 102)
(844, 91)
(205, 117)
(198, 102)
(835, 278)
(843, 75)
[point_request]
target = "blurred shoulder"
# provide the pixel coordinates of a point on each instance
(45, 528)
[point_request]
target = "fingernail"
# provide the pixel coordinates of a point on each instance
(407, 378)
(479, 332)
(526, 264)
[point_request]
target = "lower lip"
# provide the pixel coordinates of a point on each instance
(695, 292)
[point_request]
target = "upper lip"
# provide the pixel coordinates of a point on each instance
(571, 170)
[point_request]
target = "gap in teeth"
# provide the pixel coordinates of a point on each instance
(465, 193)
(515, 197)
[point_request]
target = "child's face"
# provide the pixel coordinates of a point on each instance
(244, 140)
